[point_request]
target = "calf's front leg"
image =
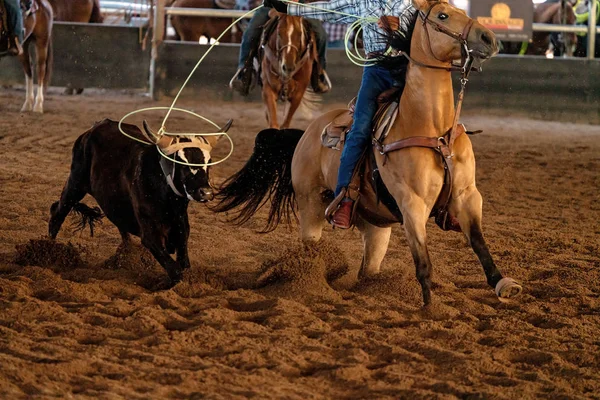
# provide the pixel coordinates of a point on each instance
(154, 241)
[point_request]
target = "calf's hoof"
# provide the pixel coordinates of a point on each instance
(175, 277)
(508, 288)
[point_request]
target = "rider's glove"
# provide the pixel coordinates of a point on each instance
(277, 5)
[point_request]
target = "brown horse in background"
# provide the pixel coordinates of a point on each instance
(83, 11)
(289, 53)
(77, 10)
(292, 169)
(38, 30)
(191, 29)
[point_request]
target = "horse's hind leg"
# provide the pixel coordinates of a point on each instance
(468, 210)
(375, 244)
(415, 214)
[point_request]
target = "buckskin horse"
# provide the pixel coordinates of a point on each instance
(289, 53)
(140, 191)
(425, 162)
(38, 29)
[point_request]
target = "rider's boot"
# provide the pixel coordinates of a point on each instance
(241, 81)
(15, 48)
(341, 210)
(342, 217)
(319, 80)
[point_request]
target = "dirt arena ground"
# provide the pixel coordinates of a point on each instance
(87, 323)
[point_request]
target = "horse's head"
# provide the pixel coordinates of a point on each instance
(292, 39)
(444, 33)
(191, 181)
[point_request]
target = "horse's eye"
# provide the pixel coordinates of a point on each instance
(442, 16)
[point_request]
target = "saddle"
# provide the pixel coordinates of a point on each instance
(333, 136)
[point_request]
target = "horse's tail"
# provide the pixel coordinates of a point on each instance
(96, 13)
(266, 176)
(88, 216)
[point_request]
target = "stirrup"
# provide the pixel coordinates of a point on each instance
(333, 206)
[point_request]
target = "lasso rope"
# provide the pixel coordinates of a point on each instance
(353, 55)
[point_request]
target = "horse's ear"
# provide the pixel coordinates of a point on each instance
(274, 13)
(422, 5)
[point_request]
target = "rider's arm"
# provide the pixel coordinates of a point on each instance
(327, 11)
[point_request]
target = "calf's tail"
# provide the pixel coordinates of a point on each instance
(267, 175)
(87, 216)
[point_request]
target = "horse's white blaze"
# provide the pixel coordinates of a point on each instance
(290, 31)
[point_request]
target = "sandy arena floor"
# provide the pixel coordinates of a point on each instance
(89, 325)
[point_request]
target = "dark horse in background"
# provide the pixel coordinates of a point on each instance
(193, 28)
(83, 11)
(557, 12)
(38, 30)
(139, 190)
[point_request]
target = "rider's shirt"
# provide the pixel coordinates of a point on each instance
(374, 38)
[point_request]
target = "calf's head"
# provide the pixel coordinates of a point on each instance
(191, 180)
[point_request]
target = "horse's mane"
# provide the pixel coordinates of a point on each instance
(398, 41)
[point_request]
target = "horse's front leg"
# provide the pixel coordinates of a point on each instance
(467, 207)
(295, 101)
(415, 214)
(270, 99)
(26, 63)
(41, 47)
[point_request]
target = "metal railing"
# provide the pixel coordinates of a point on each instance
(591, 29)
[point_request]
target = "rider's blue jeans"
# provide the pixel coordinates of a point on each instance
(15, 18)
(375, 80)
(253, 32)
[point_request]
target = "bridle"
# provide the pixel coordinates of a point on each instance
(465, 67)
(274, 60)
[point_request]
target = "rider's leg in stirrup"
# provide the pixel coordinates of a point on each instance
(320, 81)
(15, 22)
(250, 41)
(375, 80)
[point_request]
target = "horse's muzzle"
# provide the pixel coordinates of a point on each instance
(485, 44)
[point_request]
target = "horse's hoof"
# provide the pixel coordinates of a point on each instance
(508, 288)
(38, 109)
(26, 107)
